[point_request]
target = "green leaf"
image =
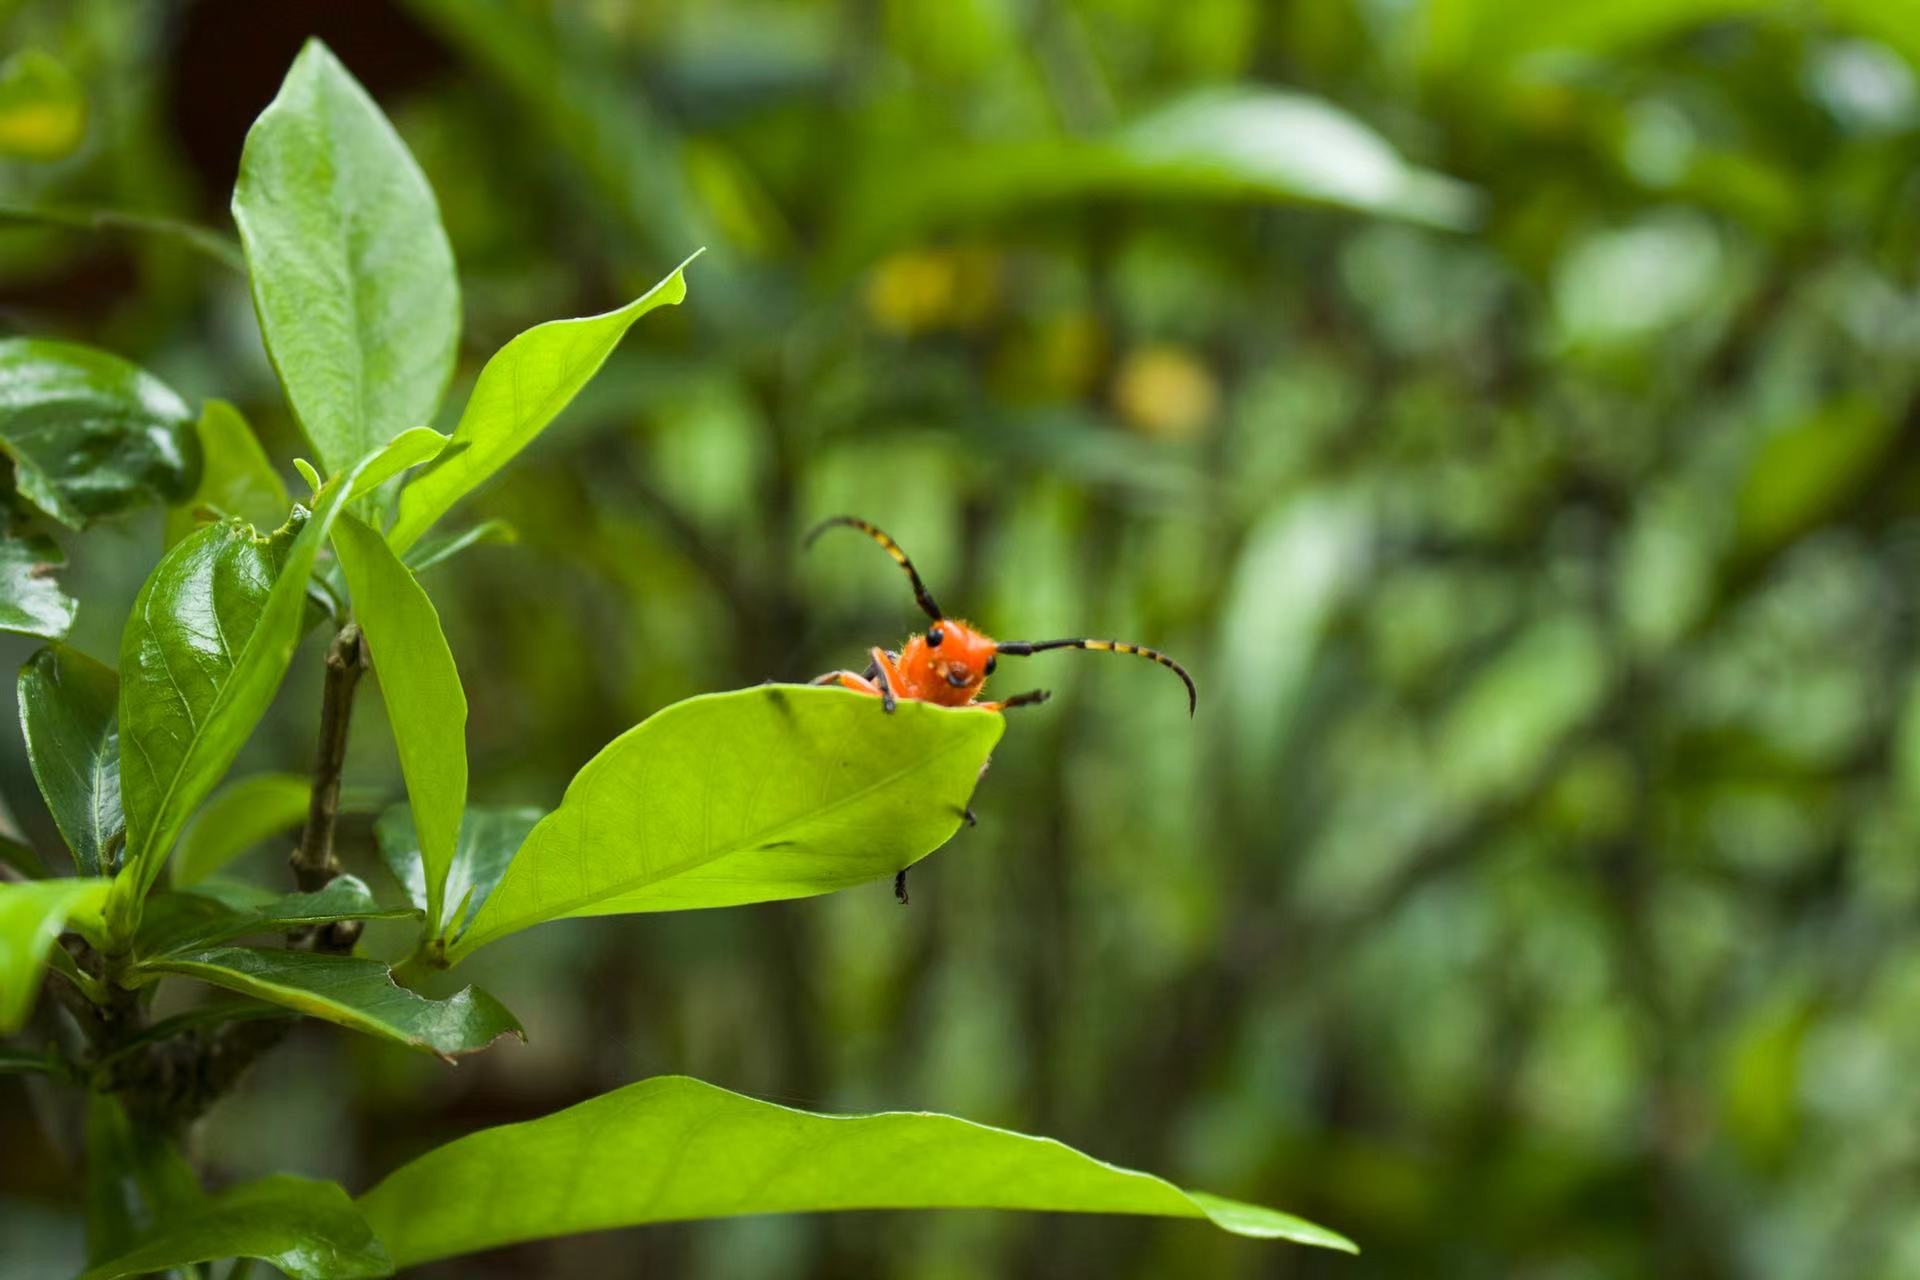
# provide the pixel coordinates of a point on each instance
(43, 109)
(89, 434)
(308, 1229)
(31, 601)
(488, 838)
(777, 792)
(136, 1178)
(191, 920)
(428, 552)
(351, 991)
(421, 687)
(32, 917)
(208, 641)
(522, 388)
(68, 715)
(672, 1149)
(236, 479)
(353, 279)
(237, 817)
(410, 448)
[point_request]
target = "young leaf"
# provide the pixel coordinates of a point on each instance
(428, 552)
(68, 718)
(31, 602)
(236, 479)
(208, 641)
(488, 838)
(236, 818)
(351, 991)
(672, 1149)
(32, 917)
(421, 687)
(352, 276)
(309, 1230)
(89, 434)
(194, 920)
(410, 448)
(777, 792)
(43, 110)
(522, 388)
(135, 1178)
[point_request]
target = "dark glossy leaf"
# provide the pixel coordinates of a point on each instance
(488, 838)
(672, 1149)
(522, 388)
(32, 917)
(309, 1230)
(43, 109)
(31, 601)
(237, 817)
(426, 706)
(136, 1179)
(782, 791)
(351, 991)
(438, 548)
(236, 479)
(68, 716)
(353, 279)
(189, 920)
(89, 434)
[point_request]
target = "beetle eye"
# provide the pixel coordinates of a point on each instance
(934, 636)
(990, 665)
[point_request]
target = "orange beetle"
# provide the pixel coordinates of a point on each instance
(951, 662)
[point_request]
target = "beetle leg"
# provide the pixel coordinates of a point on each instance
(848, 680)
(888, 679)
(1031, 698)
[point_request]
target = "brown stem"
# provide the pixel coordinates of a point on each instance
(314, 863)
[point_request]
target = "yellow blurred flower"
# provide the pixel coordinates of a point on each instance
(1165, 391)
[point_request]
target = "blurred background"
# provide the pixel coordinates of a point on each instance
(1511, 414)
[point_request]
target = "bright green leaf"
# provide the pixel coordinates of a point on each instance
(31, 601)
(191, 920)
(32, 917)
(68, 716)
(236, 479)
(672, 1149)
(428, 552)
(43, 109)
(309, 1230)
(421, 687)
(351, 991)
(488, 838)
(89, 434)
(522, 388)
(136, 1178)
(777, 792)
(353, 279)
(410, 448)
(208, 641)
(237, 817)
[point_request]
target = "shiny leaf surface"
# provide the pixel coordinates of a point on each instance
(195, 919)
(32, 916)
(352, 276)
(782, 791)
(68, 716)
(31, 601)
(488, 838)
(236, 479)
(671, 1149)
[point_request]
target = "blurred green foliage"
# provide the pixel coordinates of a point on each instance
(1533, 893)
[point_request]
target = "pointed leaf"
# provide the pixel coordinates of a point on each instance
(237, 817)
(68, 716)
(190, 920)
(351, 991)
(309, 1230)
(421, 686)
(352, 276)
(523, 387)
(43, 110)
(672, 1149)
(31, 601)
(777, 792)
(89, 434)
(488, 838)
(408, 449)
(236, 479)
(32, 917)
(428, 552)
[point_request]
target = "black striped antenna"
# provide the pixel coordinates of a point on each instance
(1023, 648)
(921, 595)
